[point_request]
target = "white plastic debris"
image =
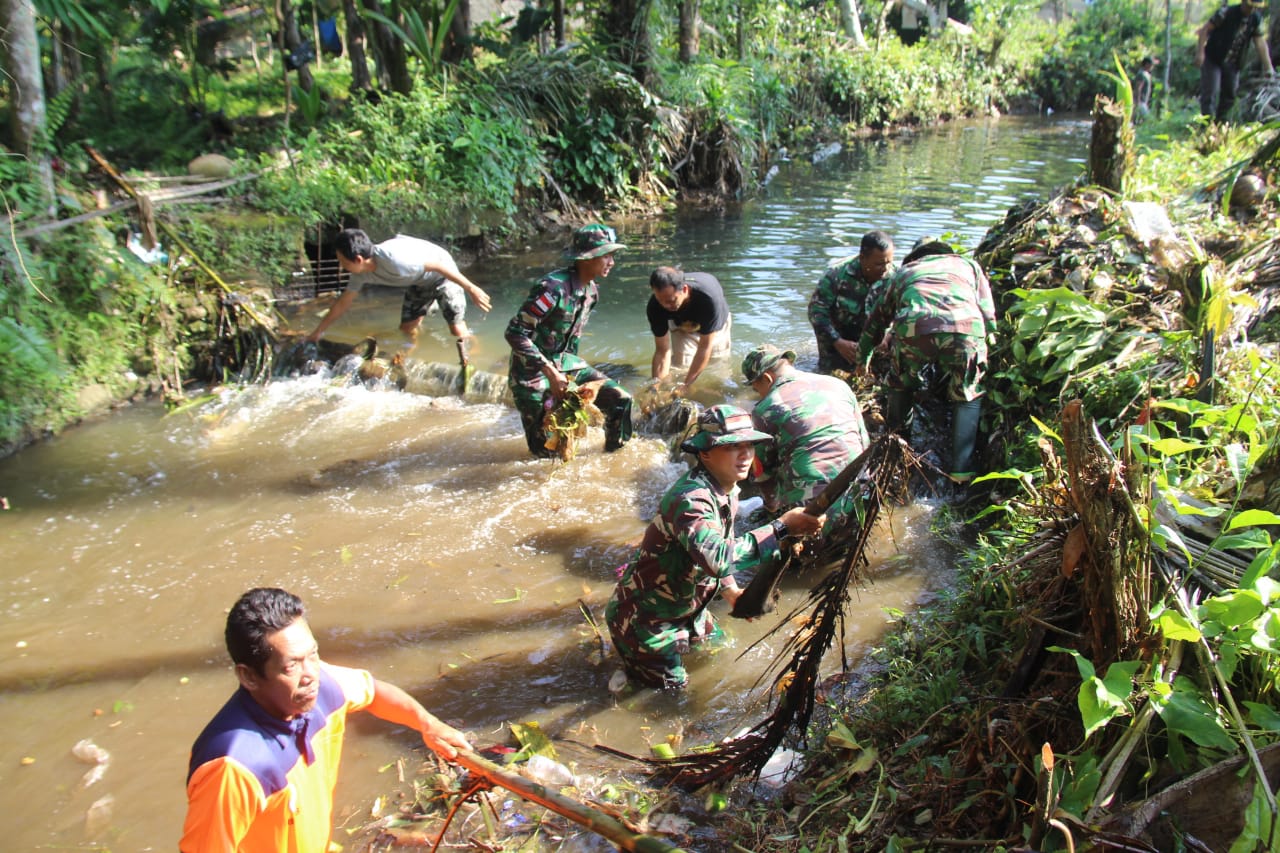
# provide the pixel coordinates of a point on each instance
(98, 816)
(783, 766)
(90, 753)
(548, 771)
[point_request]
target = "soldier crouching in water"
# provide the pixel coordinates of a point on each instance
(689, 554)
(544, 336)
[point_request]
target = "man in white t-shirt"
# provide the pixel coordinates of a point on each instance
(427, 273)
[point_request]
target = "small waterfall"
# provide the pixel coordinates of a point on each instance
(442, 380)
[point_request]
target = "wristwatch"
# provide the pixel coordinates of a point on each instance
(779, 529)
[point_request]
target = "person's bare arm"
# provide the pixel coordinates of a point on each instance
(1264, 55)
(661, 357)
(335, 311)
(392, 704)
(450, 270)
(701, 358)
(1202, 38)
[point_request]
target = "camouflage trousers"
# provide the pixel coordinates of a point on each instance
(421, 301)
(649, 668)
(962, 358)
(533, 400)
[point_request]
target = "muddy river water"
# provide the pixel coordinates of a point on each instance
(426, 544)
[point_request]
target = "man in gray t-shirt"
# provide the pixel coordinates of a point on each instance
(427, 273)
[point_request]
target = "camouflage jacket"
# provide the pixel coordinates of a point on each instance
(550, 321)
(687, 550)
(937, 293)
(838, 306)
(818, 429)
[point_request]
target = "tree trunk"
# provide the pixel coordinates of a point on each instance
(291, 41)
(22, 65)
(688, 30)
(393, 65)
(458, 47)
(557, 16)
(360, 79)
(628, 22)
(1115, 593)
(1110, 145)
(851, 23)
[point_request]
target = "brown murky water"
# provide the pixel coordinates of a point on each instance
(427, 546)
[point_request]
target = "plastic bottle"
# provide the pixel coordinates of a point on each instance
(548, 772)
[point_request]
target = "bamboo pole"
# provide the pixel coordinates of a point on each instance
(173, 235)
(596, 821)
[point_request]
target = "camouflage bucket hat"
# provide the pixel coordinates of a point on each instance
(720, 425)
(762, 358)
(592, 241)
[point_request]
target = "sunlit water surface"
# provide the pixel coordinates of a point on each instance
(428, 547)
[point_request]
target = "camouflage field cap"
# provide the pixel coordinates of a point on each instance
(721, 425)
(592, 241)
(762, 358)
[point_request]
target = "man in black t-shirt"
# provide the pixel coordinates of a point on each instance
(1220, 49)
(690, 321)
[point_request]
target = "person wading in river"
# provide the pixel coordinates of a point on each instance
(816, 425)
(940, 310)
(690, 322)
(427, 272)
(838, 306)
(262, 773)
(544, 336)
(658, 611)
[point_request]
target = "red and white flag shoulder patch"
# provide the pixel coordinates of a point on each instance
(544, 303)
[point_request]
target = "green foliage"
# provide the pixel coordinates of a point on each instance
(77, 310)
(424, 37)
(1076, 60)
(896, 84)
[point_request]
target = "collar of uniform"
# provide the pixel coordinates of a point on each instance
(296, 732)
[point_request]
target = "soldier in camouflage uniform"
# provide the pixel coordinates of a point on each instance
(689, 554)
(838, 307)
(940, 310)
(544, 337)
(816, 424)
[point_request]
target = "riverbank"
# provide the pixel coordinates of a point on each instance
(1058, 696)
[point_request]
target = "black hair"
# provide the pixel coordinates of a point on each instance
(259, 613)
(664, 277)
(931, 247)
(353, 243)
(875, 241)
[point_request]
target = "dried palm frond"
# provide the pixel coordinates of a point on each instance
(883, 475)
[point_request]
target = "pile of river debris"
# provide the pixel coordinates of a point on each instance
(1138, 361)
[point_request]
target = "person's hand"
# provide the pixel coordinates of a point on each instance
(481, 299)
(312, 338)
(731, 594)
(445, 741)
(800, 523)
(559, 383)
(680, 390)
(848, 350)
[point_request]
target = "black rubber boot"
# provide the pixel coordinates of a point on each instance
(964, 435)
(898, 404)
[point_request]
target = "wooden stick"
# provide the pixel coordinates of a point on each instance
(580, 813)
(173, 235)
